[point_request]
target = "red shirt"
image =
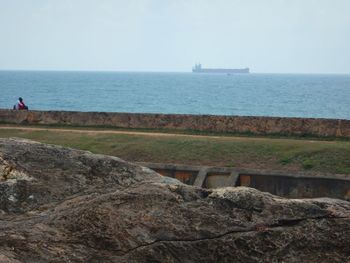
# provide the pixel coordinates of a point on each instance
(21, 105)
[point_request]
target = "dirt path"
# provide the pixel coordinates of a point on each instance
(152, 134)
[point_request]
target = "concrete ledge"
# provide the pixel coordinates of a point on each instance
(203, 123)
(201, 176)
(292, 185)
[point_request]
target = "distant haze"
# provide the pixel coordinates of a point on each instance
(277, 36)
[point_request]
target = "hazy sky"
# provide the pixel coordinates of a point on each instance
(291, 36)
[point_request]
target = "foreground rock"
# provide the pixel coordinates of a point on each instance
(64, 205)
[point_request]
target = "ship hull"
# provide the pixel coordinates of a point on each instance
(222, 71)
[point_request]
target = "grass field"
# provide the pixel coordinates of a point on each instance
(243, 152)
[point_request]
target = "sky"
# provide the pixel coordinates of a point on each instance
(270, 36)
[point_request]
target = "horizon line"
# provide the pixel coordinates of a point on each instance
(159, 71)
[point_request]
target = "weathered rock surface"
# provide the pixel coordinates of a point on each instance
(63, 205)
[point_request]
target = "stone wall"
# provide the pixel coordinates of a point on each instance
(291, 185)
(206, 123)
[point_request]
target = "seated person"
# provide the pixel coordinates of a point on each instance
(20, 105)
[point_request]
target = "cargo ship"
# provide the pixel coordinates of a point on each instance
(198, 69)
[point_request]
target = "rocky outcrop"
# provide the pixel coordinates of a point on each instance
(204, 123)
(63, 205)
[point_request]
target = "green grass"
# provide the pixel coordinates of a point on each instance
(181, 131)
(244, 152)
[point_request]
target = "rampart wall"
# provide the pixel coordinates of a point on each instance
(204, 123)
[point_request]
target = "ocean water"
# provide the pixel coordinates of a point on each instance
(285, 95)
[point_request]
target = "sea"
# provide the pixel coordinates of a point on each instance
(283, 95)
